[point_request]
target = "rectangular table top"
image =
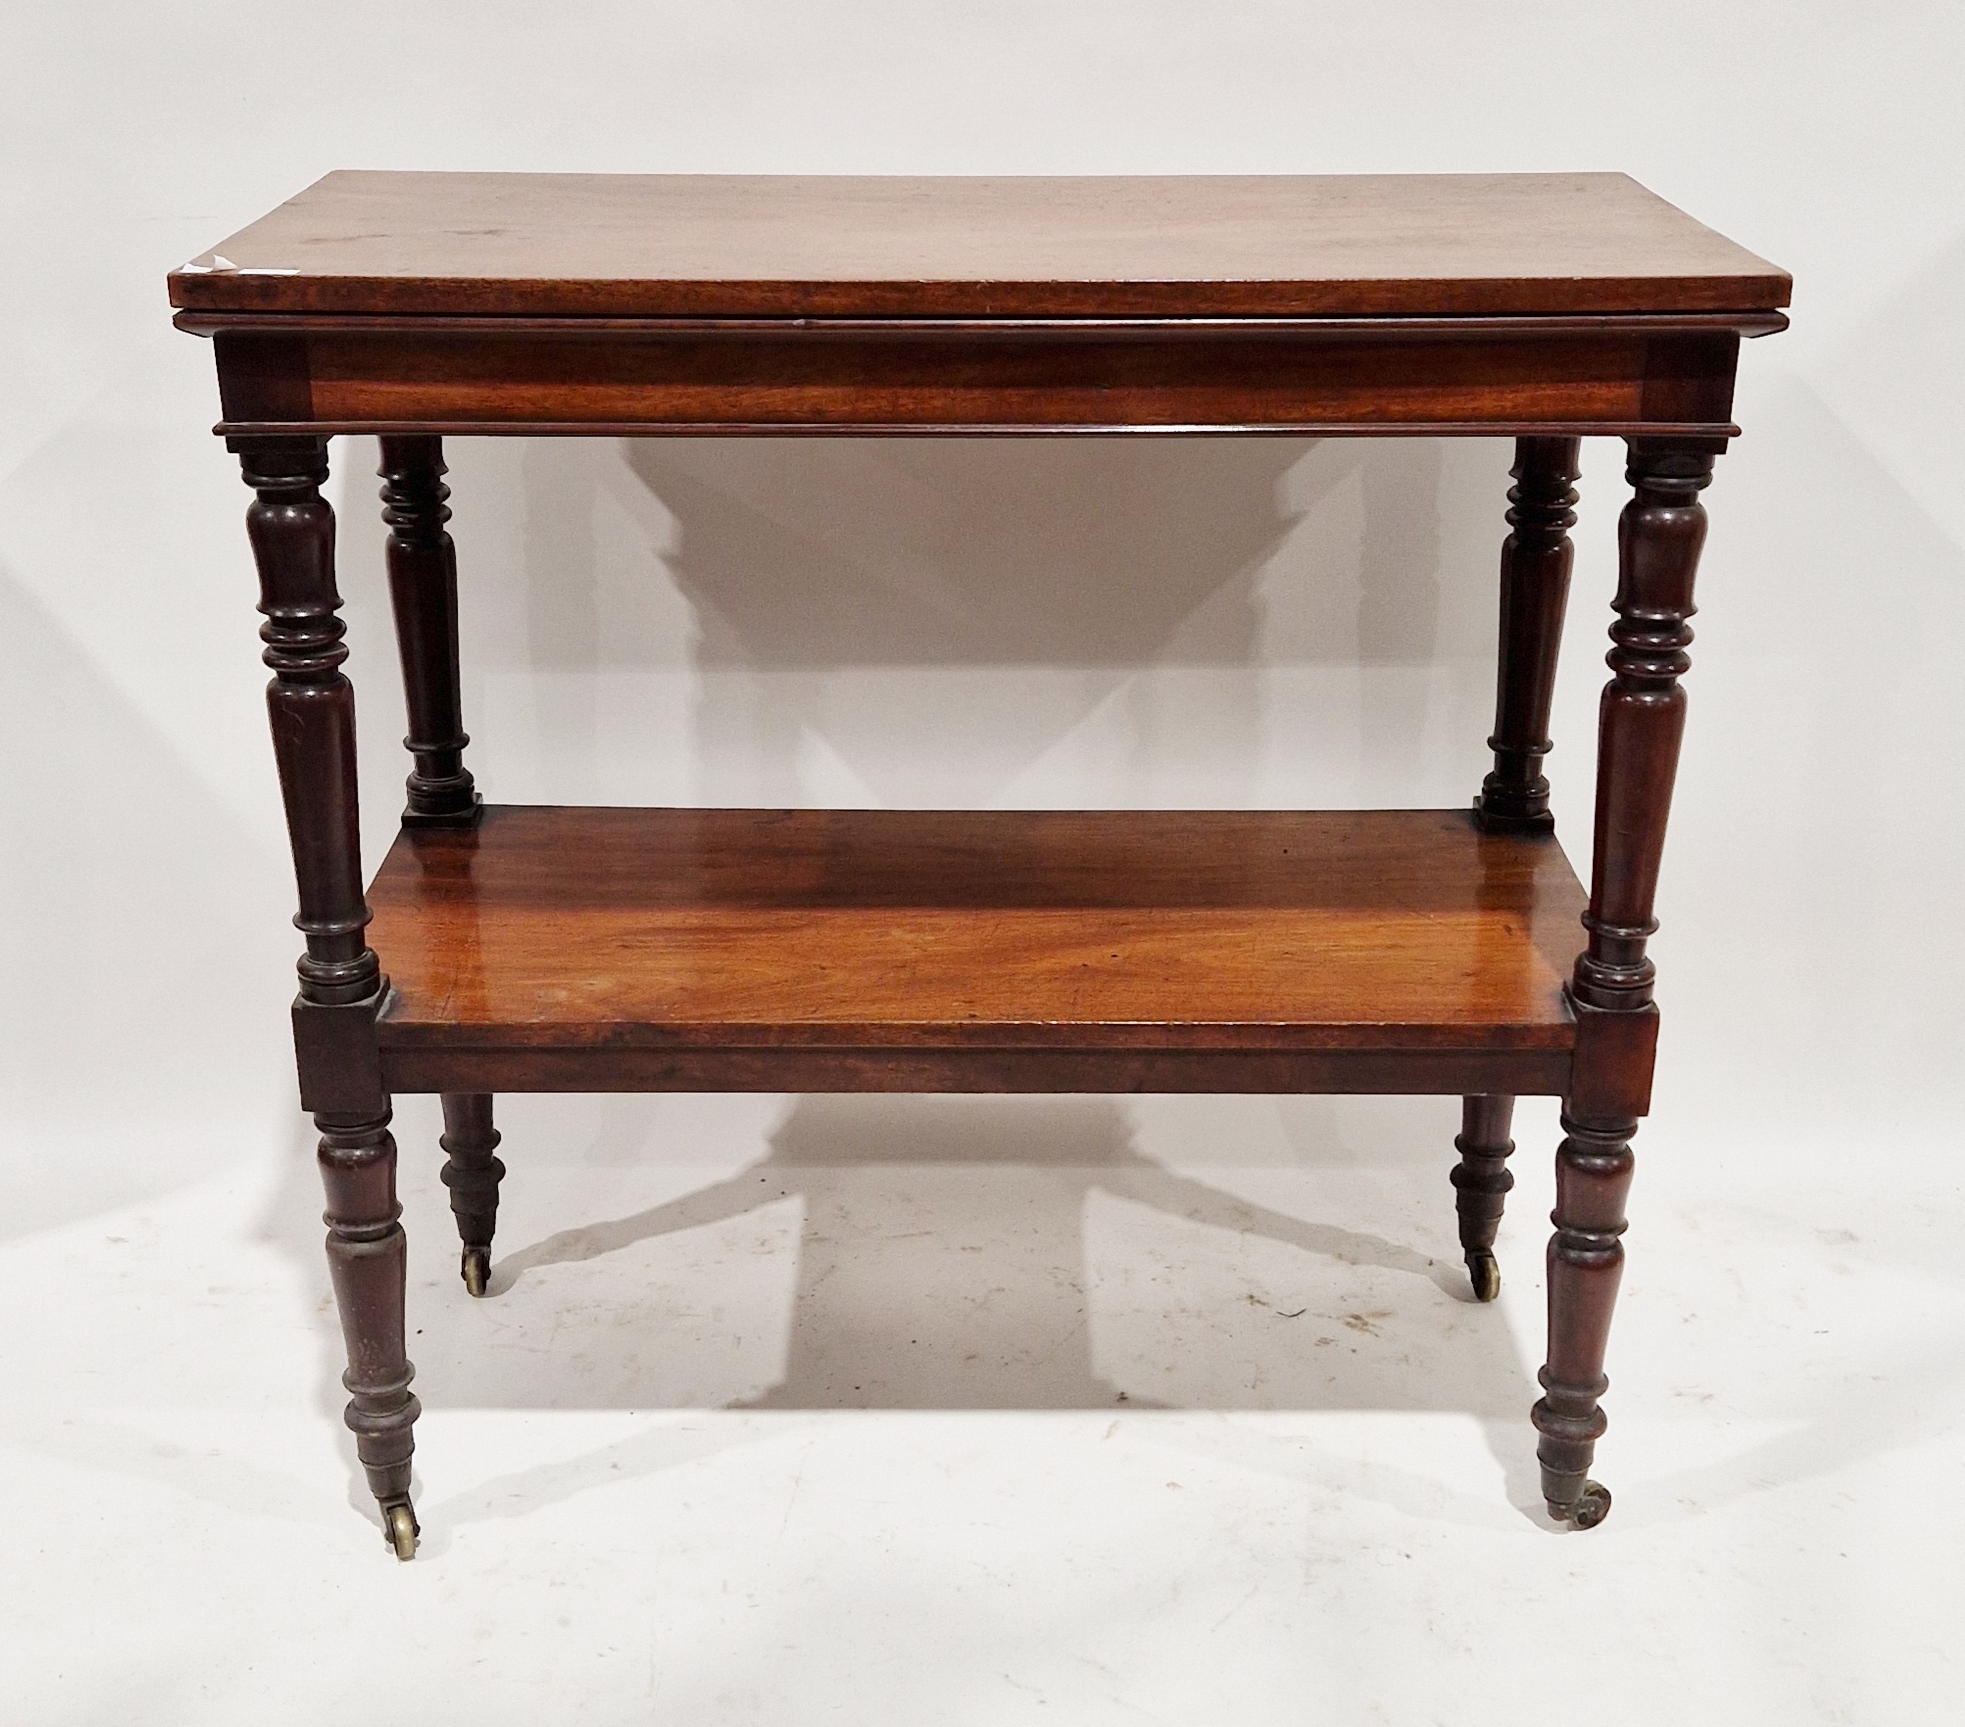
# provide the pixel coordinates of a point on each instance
(636, 245)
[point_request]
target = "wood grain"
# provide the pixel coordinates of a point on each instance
(401, 375)
(554, 929)
(1243, 246)
(554, 949)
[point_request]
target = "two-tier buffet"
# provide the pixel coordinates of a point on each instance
(564, 949)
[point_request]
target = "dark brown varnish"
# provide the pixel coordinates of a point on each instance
(1535, 565)
(418, 374)
(472, 1171)
(1641, 720)
(312, 709)
(556, 949)
(423, 592)
(1482, 1182)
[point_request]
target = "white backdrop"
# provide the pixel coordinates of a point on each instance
(975, 623)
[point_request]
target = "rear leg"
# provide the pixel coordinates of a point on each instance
(472, 1172)
(1481, 1182)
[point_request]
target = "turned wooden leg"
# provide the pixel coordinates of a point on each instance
(423, 592)
(368, 1260)
(472, 1174)
(1535, 564)
(312, 709)
(1641, 721)
(1586, 1263)
(1481, 1181)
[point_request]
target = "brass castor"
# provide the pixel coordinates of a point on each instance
(1591, 1508)
(1484, 1270)
(399, 1528)
(477, 1269)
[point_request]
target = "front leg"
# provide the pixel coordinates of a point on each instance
(1586, 1264)
(368, 1262)
(1641, 722)
(312, 709)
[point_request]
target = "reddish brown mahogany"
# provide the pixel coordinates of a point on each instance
(578, 949)
(1535, 564)
(1264, 245)
(423, 590)
(398, 374)
(1481, 1183)
(312, 709)
(1659, 539)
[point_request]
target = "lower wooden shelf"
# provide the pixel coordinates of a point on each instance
(572, 949)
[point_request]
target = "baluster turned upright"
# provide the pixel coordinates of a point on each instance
(1482, 1182)
(312, 708)
(472, 1171)
(441, 793)
(1535, 566)
(423, 592)
(1642, 720)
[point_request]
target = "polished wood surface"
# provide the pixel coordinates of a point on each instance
(1641, 722)
(1535, 566)
(553, 949)
(472, 1171)
(418, 305)
(423, 594)
(1187, 246)
(368, 1264)
(1371, 930)
(1641, 718)
(404, 374)
(311, 706)
(1482, 1182)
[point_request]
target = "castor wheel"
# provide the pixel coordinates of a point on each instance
(1591, 1508)
(399, 1528)
(1484, 1271)
(477, 1269)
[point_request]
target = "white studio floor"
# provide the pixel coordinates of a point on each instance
(992, 1410)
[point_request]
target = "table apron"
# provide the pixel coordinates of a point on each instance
(1578, 379)
(1524, 1072)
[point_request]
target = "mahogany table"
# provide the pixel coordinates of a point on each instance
(560, 949)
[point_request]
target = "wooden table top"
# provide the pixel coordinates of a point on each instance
(630, 245)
